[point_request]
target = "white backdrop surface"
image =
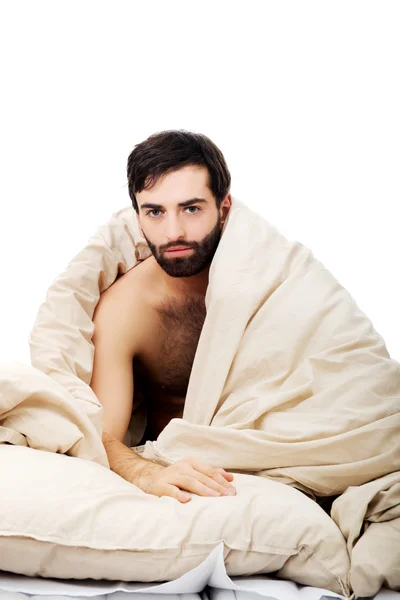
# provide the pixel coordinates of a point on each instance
(301, 97)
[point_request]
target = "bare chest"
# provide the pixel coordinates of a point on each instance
(164, 365)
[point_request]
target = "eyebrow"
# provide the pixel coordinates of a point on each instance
(185, 203)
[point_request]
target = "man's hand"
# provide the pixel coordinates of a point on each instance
(187, 475)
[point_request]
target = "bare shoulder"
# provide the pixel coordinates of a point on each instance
(123, 309)
(128, 285)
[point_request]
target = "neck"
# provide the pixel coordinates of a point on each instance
(187, 286)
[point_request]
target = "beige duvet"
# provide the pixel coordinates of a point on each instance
(290, 381)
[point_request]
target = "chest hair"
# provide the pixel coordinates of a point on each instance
(181, 326)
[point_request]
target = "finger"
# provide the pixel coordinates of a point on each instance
(182, 474)
(216, 474)
(226, 475)
(199, 484)
(225, 488)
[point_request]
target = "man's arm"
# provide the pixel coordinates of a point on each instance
(117, 335)
(115, 342)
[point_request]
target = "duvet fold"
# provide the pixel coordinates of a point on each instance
(290, 380)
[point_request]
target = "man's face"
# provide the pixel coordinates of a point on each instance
(165, 224)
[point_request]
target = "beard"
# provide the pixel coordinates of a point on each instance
(187, 266)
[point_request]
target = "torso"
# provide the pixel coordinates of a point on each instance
(171, 327)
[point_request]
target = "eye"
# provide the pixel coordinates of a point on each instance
(152, 211)
(157, 210)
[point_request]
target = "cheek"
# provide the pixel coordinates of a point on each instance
(200, 227)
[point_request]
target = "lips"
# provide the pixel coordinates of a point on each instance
(178, 248)
(184, 251)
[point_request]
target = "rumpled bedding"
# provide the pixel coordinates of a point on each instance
(290, 381)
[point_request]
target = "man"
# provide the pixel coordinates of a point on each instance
(148, 323)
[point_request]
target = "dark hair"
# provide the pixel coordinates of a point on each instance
(168, 151)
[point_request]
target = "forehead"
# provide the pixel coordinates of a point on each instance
(178, 186)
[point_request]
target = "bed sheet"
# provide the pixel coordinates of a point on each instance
(208, 581)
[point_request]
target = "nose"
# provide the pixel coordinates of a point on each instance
(174, 229)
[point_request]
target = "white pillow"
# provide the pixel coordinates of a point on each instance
(67, 517)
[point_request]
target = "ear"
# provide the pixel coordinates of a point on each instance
(225, 207)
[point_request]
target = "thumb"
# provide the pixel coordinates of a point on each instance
(183, 497)
(174, 492)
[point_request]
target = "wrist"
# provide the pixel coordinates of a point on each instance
(143, 474)
(122, 460)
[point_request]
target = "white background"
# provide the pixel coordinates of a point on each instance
(302, 97)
